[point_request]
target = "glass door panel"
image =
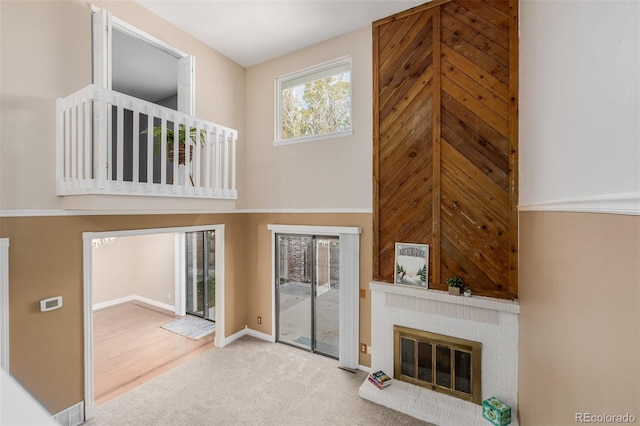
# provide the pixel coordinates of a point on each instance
(308, 287)
(294, 286)
(200, 262)
(326, 313)
(209, 290)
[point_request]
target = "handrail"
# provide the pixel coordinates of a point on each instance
(112, 143)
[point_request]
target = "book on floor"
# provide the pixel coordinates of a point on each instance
(376, 384)
(380, 379)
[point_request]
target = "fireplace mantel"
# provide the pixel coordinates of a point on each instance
(480, 302)
(492, 322)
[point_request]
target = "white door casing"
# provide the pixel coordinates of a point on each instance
(101, 40)
(101, 67)
(180, 276)
(87, 237)
(187, 85)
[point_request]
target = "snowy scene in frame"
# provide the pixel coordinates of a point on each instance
(412, 265)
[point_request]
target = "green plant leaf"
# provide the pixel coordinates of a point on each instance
(157, 136)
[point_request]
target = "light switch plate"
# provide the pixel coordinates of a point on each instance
(51, 303)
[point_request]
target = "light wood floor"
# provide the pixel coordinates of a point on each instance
(130, 347)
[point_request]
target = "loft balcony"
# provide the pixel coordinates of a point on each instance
(109, 143)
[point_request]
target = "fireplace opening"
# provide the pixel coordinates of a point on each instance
(442, 363)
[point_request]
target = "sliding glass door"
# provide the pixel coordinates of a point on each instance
(201, 278)
(307, 291)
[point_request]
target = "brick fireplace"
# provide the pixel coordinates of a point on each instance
(491, 322)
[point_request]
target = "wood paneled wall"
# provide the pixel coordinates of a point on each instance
(445, 141)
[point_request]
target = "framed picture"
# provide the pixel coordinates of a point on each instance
(412, 265)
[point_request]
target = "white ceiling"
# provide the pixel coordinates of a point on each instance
(251, 32)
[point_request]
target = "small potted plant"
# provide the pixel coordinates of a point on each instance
(455, 285)
(157, 135)
(467, 291)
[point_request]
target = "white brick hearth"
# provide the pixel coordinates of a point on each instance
(492, 322)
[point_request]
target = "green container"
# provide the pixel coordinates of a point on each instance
(496, 411)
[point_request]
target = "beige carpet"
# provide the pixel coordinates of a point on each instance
(250, 382)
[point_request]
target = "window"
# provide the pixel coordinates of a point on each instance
(314, 103)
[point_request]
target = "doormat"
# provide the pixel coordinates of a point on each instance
(323, 347)
(192, 327)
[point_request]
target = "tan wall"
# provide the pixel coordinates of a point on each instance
(579, 316)
(114, 270)
(45, 49)
(45, 52)
(156, 267)
(141, 265)
(330, 173)
(46, 349)
(259, 266)
(579, 273)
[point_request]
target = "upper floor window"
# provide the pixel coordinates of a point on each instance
(314, 103)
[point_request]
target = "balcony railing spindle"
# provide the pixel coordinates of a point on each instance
(225, 165)
(175, 148)
(208, 158)
(67, 144)
(218, 169)
(87, 139)
(197, 156)
(135, 135)
(120, 140)
(163, 151)
(74, 145)
(233, 162)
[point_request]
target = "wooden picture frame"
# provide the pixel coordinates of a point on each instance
(412, 265)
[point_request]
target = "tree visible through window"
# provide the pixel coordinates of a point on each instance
(315, 102)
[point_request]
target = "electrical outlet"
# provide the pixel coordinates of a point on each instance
(259, 319)
(363, 348)
(363, 293)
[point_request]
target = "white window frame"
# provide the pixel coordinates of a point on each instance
(103, 24)
(306, 75)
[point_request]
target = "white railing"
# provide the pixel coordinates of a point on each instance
(115, 144)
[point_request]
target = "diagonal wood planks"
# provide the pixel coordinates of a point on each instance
(475, 162)
(404, 125)
(445, 96)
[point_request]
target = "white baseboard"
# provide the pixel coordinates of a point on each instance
(155, 303)
(260, 335)
(132, 298)
(364, 368)
(247, 332)
(233, 337)
(114, 302)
